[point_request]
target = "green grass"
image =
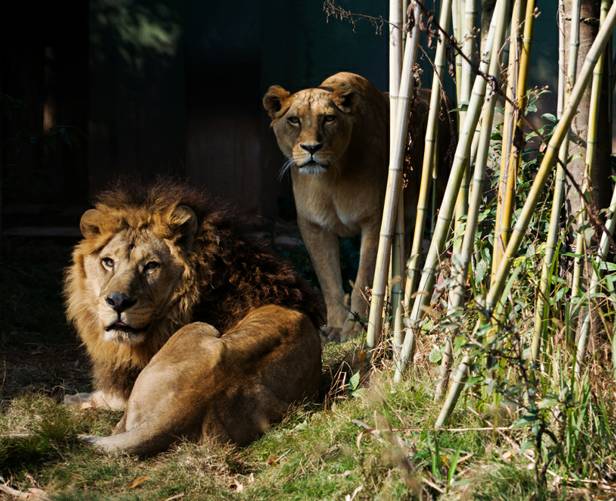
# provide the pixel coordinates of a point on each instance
(314, 454)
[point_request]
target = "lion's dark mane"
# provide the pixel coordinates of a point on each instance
(234, 274)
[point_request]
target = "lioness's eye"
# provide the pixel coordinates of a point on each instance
(293, 120)
(330, 118)
(151, 265)
(107, 262)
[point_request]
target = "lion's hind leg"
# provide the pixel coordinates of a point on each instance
(272, 359)
(166, 402)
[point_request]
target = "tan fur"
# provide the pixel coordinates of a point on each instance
(340, 189)
(231, 388)
(206, 278)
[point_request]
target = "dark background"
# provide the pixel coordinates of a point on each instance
(95, 89)
(92, 89)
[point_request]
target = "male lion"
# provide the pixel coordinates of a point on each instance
(212, 334)
(336, 140)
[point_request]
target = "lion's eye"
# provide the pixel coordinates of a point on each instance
(107, 263)
(330, 118)
(151, 265)
(293, 120)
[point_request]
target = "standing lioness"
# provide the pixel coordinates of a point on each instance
(336, 140)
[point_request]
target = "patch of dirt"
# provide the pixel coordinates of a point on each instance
(52, 369)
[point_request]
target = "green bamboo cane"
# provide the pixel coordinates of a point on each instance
(514, 160)
(398, 276)
(397, 260)
(466, 24)
(610, 225)
(559, 193)
(445, 214)
(591, 148)
(428, 158)
(468, 50)
(547, 164)
(456, 20)
(461, 260)
(394, 184)
(507, 169)
(562, 70)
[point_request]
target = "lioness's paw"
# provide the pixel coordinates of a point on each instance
(351, 328)
(330, 334)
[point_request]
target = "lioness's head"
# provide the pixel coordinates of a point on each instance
(313, 127)
(132, 264)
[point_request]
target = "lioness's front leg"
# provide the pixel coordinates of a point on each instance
(324, 250)
(363, 280)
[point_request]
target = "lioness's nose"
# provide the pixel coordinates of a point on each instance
(311, 147)
(119, 301)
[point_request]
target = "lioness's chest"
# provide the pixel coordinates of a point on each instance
(343, 208)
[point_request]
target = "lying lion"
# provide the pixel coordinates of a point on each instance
(336, 141)
(191, 329)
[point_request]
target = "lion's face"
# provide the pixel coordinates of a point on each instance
(131, 275)
(313, 127)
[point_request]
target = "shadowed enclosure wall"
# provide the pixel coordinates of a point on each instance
(95, 89)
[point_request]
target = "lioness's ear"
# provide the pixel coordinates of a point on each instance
(183, 222)
(344, 99)
(274, 101)
(90, 224)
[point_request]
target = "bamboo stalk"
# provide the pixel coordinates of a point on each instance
(394, 183)
(468, 50)
(395, 69)
(547, 163)
(398, 276)
(562, 70)
(428, 158)
(610, 225)
(591, 148)
(454, 393)
(506, 183)
(466, 20)
(559, 193)
(516, 149)
(461, 260)
(445, 214)
(456, 20)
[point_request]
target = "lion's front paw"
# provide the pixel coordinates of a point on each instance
(87, 439)
(79, 400)
(96, 400)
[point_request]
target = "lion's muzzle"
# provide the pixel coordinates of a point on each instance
(120, 301)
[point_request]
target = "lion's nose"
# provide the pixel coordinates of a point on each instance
(311, 148)
(119, 301)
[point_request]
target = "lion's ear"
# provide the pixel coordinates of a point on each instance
(90, 224)
(183, 222)
(344, 99)
(274, 101)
